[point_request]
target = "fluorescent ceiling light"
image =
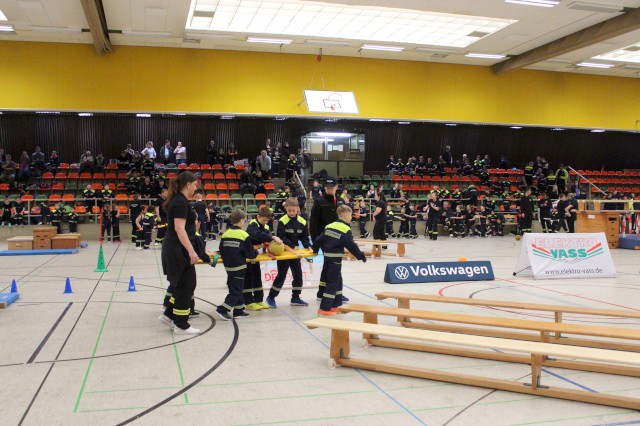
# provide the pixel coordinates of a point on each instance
(281, 118)
(484, 55)
(343, 22)
(598, 131)
(205, 36)
(227, 117)
(451, 124)
(85, 114)
(178, 113)
(379, 119)
(404, 122)
(543, 3)
(558, 129)
(594, 65)
(334, 134)
(626, 54)
(58, 30)
(269, 40)
(516, 127)
(3, 17)
(143, 115)
(379, 47)
(6, 28)
(160, 34)
(331, 120)
(326, 42)
(595, 7)
(47, 112)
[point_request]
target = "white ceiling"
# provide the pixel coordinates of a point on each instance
(535, 26)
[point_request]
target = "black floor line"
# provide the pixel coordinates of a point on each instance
(44, 379)
(46, 338)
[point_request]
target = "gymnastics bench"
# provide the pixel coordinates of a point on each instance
(543, 334)
(535, 351)
(377, 246)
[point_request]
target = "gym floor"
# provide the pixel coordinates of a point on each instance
(99, 356)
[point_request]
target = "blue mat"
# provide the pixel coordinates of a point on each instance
(36, 252)
(7, 298)
(629, 241)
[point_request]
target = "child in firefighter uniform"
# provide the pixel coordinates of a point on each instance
(333, 240)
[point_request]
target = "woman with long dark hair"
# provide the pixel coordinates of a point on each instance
(179, 254)
(380, 217)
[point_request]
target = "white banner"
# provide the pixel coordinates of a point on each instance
(553, 256)
(332, 102)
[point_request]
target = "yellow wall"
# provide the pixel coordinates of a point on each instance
(73, 77)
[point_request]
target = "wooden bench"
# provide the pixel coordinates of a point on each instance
(377, 246)
(544, 334)
(536, 351)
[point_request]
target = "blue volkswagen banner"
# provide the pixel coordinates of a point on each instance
(431, 272)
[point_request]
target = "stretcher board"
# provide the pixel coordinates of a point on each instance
(265, 257)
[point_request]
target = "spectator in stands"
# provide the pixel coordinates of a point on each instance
(3, 156)
(562, 176)
(292, 167)
(221, 159)
(37, 159)
(123, 161)
(181, 154)
(247, 182)
(447, 156)
(267, 147)
(304, 162)
(130, 151)
(259, 181)
(100, 162)
(487, 161)
(371, 193)
(212, 152)
(441, 166)
(285, 151)
(421, 166)
(54, 162)
(275, 159)
(392, 167)
(504, 164)
(8, 170)
(87, 162)
(137, 160)
(149, 150)
(232, 153)
(263, 164)
(23, 169)
(165, 156)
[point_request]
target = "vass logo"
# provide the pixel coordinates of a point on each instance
(570, 255)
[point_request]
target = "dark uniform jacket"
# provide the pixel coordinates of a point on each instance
(334, 239)
(235, 249)
(258, 233)
(293, 229)
(323, 213)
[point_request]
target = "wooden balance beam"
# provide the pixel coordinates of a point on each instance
(544, 334)
(377, 246)
(535, 351)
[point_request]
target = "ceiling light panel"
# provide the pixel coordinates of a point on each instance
(627, 54)
(3, 17)
(296, 18)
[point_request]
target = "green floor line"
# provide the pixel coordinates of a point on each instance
(95, 347)
(226, 384)
(319, 419)
(175, 351)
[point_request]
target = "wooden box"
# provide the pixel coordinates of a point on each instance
(20, 243)
(65, 241)
(607, 222)
(45, 231)
(42, 244)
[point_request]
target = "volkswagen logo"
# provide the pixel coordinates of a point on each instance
(402, 272)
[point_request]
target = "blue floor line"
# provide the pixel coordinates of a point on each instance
(359, 372)
(632, 422)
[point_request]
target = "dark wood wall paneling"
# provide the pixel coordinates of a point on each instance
(70, 134)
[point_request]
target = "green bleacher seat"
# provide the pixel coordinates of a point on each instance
(40, 197)
(13, 196)
(252, 209)
(248, 196)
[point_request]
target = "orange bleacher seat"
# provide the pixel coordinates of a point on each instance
(205, 166)
(221, 187)
(269, 186)
(122, 197)
(63, 166)
(55, 197)
(48, 176)
(86, 176)
(396, 178)
(234, 186)
(194, 166)
(406, 178)
(182, 166)
(261, 197)
(209, 187)
(61, 176)
(57, 187)
(27, 197)
(80, 209)
(123, 176)
(231, 176)
(446, 178)
(218, 176)
(211, 197)
(68, 197)
(97, 186)
(216, 167)
(112, 166)
(73, 175)
(405, 187)
(417, 178)
(223, 197)
(172, 175)
(207, 176)
(95, 209)
(123, 209)
(111, 176)
(98, 176)
(436, 178)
